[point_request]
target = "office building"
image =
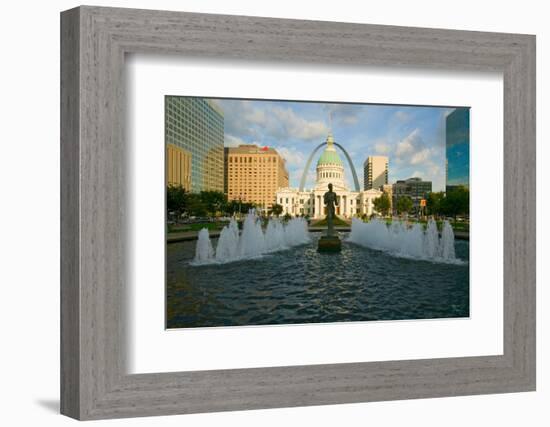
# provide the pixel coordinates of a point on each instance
(375, 172)
(196, 126)
(457, 150)
(414, 188)
(254, 174)
(178, 167)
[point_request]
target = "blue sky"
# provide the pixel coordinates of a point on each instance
(412, 137)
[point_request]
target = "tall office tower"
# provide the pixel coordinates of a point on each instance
(254, 174)
(457, 149)
(196, 126)
(375, 171)
(178, 167)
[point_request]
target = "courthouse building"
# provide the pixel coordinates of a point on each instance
(329, 169)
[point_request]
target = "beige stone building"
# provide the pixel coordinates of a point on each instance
(254, 174)
(375, 172)
(178, 167)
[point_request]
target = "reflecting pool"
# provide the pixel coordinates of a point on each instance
(301, 285)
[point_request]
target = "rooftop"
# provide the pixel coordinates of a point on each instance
(251, 149)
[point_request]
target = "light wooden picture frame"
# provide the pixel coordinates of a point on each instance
(94, 379)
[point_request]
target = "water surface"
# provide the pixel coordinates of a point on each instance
(301, 285)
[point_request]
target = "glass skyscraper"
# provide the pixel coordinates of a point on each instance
(458, 149)
(197, 126)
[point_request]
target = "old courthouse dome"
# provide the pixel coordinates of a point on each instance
(330, 155)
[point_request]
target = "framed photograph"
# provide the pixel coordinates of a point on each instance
(262, 213)
(249, 227)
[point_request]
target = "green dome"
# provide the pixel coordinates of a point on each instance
(329, 156)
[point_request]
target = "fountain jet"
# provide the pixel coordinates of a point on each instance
(252, 242)
(405, 241)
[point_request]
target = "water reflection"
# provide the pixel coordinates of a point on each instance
(301, 285)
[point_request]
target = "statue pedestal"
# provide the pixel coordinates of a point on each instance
(329, 244)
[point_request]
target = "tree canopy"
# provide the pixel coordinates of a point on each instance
(180, 202)
(456, 202)
(176, 200)
(276, 209)
(433, 203)
(382, 204)
(404, 204)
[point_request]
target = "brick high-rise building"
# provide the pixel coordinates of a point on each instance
(254, 174)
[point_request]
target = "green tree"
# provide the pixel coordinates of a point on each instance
(287, 217)
(433, 203)
(194, 205)
(176, 200)
(382, 204)
(404, 204)
(214, 202)
(456, 202)
(232, 207)
(276, 209)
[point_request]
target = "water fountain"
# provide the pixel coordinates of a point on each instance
(406, 241)
(252, 242)
(204, 250)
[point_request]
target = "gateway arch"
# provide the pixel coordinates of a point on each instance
(308, 164)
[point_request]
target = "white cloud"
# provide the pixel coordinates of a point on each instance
(349, 120)
(232, 141)
(382, 148)
(245, 118)
(292, 156)
(420, 156)
(434, 170)
(255, 116)
(293, 126)
(402, 116)
(412, 150)
(408, 144)
(344, 114)
(404, 147)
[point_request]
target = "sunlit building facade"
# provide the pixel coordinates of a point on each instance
(375, 172)
(253, 174)
(178, 167)
(196, 125)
